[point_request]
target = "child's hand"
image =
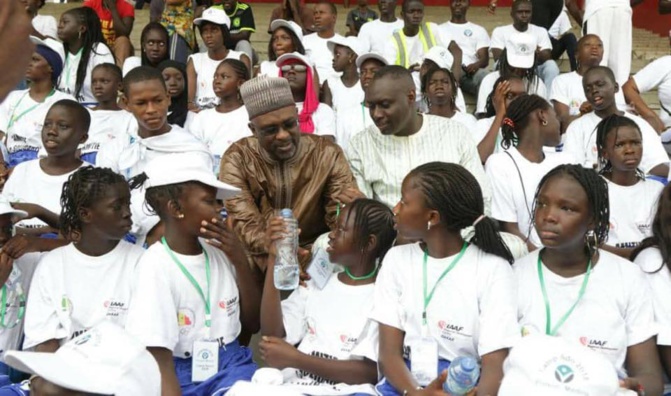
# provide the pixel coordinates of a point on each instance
(19, 245)
(585, 108)
(33, 210)
(277, 353)
(6, 265)
(220, 234)
(435, 388)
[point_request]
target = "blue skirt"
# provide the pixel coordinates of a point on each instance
(387, 389)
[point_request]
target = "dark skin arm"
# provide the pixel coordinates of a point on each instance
(633, 97)
(665, 354)
(122, 26)
(661, 170)
(39, 212)
(169, 383)
(481, 63)
(496, 53)
(488, 143)
(456, 65)
(241, 36)
(574, 10)
(327, 97)
(564, 113)
(544, 56)
(643, 367)
(20, 244)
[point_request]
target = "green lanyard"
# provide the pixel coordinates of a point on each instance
(548, 318)
(13, 119)
(66, 68)
(3, 310)
(208, 316)
(428, 297)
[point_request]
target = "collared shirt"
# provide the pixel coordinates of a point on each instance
(242, 18)
(380, 163)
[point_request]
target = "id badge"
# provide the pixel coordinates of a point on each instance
(320, 269)
(424, 360)
(14, 278)
(205, 361)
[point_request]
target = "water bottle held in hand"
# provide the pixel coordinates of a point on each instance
(287, 270)
(462, 376)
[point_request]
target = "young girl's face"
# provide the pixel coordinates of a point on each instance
(174, 81)
(439, 87)
(623, 147)
(212, 36)
(368, 70)
(342, 58)
(343, 249)
(105, 84)
(410, 213)
(68, 28)
(38, 68)
(562, 213)
(282, 42)
(226, 81)
(297, 76)
(109, 216)
(155, 46)
(62, 131)
(198, 203)
(551, 132)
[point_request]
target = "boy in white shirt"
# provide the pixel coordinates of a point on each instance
(374, 34)
(521, 14)
(474, 43)
(43, 25)
(195, 291)
(316, 44)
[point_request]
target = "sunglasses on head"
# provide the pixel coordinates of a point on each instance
(296, 67)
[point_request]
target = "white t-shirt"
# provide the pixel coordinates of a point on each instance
(106, 125)
(374, 35)
(470, 38)
(205, 68)
(46, 25)
(487, 86)
(580, 141)
(502, 34)
(72, 291)
(472, 312)
(657, 75)
(18, 288)
(99, 54)
(614, 313)
(561, 25)
(167, 311)
(466, 119)
(346, 108)
(30, 184)
(514, 181)
(341, 332)
(482, 127)
(592, 6)
(269, 68)
(632, 210)
(321, 57)
(659, 278)
(220, 130)
(131, 63)
(323, 118)
(22, 118)
(567, 89)
(414, 45)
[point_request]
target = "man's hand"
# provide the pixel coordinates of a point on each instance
(220, 234)
(6, 265)
(435, 388)
(472, 68)
(278, 353)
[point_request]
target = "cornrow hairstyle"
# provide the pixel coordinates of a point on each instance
(112, 68)
(595, 188)
(530, 77)
(427, 77)
(140, 74)
(455, 193)
(490, 109)
(153, 26)
(82, 189)
(519, 112)
(82, 115)
(157, 198)
(373, 218)
(240, 69)
(92, 37)
(612, 124)
(661, 232)
(298, 45)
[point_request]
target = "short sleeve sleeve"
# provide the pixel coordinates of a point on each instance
(325, 125)
(503, 202)
(368, 343)
(293, 314)
(498, 39)
(639, 313)
(387, 305)
(651, 76)
(126, 11)
(543, 39)
(247, 20)
(659, 278)
(482, 39)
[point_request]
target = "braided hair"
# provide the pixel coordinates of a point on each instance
(530, 76)
(153, 26)
(157, 198)
(455, 193)
(239, 67)
(611, 124)
(373, 218)
(112, 68)
(661, 232)
(595, 188)
(427, 77)
(92, 37)
(517, 117)
(82, 189)
(295, 41)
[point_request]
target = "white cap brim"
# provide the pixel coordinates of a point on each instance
(281, 23)
(293, 55)
(520, 61)
(370, 55)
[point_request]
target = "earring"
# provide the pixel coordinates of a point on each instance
(80, 35)
(180, 216)
(591, 241)
(428, 225)
(544, 122)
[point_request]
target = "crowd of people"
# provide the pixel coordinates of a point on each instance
(140, 200)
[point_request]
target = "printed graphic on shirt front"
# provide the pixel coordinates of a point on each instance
(185, 321)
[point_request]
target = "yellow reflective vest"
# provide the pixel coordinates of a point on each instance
(402, 55)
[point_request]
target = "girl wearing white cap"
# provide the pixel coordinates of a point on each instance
(286, 37)
(200, 68)
(440, 94)
(195, 289)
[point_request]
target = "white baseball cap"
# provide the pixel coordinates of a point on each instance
(214, 15)
(52, 44)
(293, 55)
(440, 56)
(369, 55)
(104, 360)
(291, 25)
(7, 209)
(552, 366)
(521, 50)
(183, 167)
(351, 42)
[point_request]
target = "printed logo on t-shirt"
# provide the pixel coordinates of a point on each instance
(230, 305)
(564, 374)
(312, 329)
(66, 304)
(643, 227)
(600, 345)
(115, 308)
(315, 379)
(236, 22)
(449, 331)
(185, 319)
(347, 343)
(468, 32)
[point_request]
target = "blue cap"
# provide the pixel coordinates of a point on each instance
(468, 364)
(286, 213)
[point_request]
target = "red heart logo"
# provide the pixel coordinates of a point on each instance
(106, 304)
(584, 340)
(343, 338)
(442, 324)
(222, 304)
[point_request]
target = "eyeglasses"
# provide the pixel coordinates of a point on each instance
(298, 68)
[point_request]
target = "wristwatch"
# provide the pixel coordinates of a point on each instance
(406, 392)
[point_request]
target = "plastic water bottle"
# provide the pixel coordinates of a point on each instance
(462, 376)
(286, 263)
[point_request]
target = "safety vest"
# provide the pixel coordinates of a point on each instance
(425, 36)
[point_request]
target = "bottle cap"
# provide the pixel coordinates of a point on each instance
(468, 364)
(287, 213)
